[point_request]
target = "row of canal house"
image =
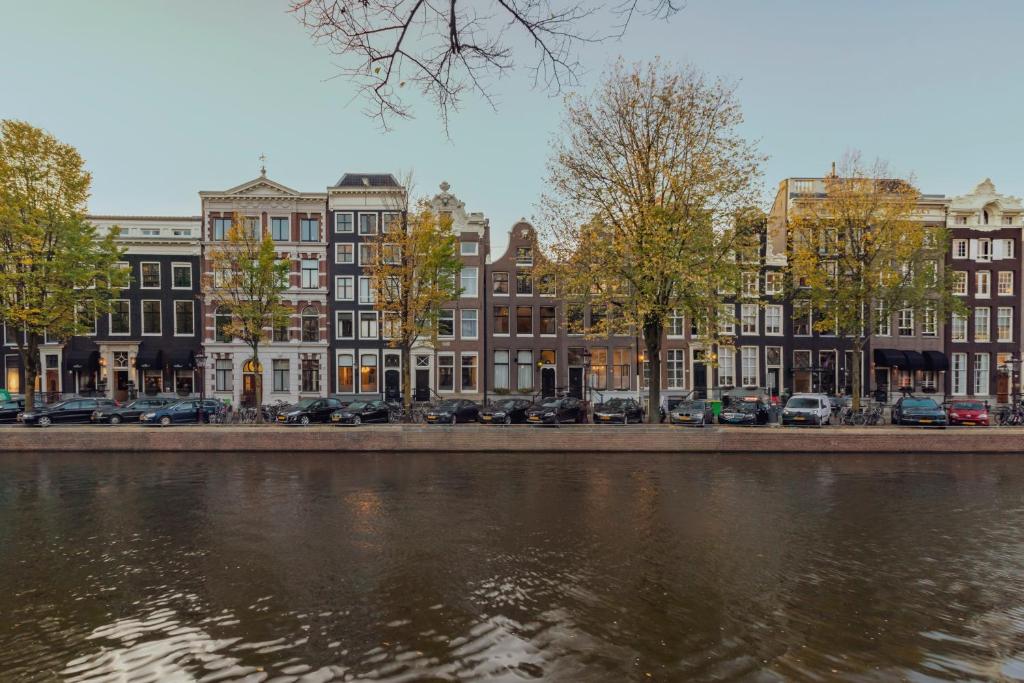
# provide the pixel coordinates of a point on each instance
(508, 334)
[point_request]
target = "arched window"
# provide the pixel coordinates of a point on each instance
(310, 324)
(984, 216)
(221, 322)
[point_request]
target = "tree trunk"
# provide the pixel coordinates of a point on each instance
(30, 364)
(258, 373)
(858, 352)
(653, 328)
(406, 377)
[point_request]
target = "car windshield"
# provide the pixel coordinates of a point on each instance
(802, 403)
(615, 404)
(920, 403)
(693, 405)
(744, 407)
(8, 405)
(968, 405)
(356, 405)
(549, 404)
(306, 403)
(447, 405)
(504, 405)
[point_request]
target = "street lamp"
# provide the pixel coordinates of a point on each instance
(586, 356)
(200, 359)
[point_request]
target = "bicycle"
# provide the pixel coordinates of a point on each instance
(413, 415)
(271, 411)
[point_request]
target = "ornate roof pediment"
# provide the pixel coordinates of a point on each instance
(262, 187)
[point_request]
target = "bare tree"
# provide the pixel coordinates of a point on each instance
(443, 48)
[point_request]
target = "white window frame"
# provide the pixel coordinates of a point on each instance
(337, 223)
(958, 373)
(159, 274)
(370, 297)
(747, 352)
(358, 379)
(337, 324)
(727, 327)
(749, 285)
(498, 385)
(984, 250)
(981, 374)
(110, 318)
(773, 331)
(960, 283)
(960, 247)
(370, 248)
(338, 253)
(675, 364)
(302, 273)
(983, 284)
(176, 265)
(1000, 290)
(288, 228)
(773, 281)
(929, 321)
(726, 366)
(673, 316)
(455, 380)
(999, 333)
(142, 318)
(958, 328)
(462, 322)
(376, 223)
(749, 330)
(385, 219)
(474, 251)
(476, 282)
(376, 324)
(446, 336)
(905, 315)
(476, 384)
(338, 279)
(987, 328)
(192, 305)
(355, 369)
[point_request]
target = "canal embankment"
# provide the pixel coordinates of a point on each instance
(476, 439)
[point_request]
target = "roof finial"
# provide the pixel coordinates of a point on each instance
(263, 165)
(445, 186)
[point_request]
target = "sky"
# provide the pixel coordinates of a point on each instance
(165, 98)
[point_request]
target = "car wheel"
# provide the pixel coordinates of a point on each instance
(357, 420)
(507, 420)
(44, 421)
(115, 419)
(165, 421)
(454, 420)
(304, 420)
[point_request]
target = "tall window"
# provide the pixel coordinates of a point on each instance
(773, 282)
(184, 318)
(726, 366)
(344, 253)
(86, 316)
(524, 370)
(445, 372)
(748, 319)
(676, 323)
(221, 322)
(469, 371)
(980, 374)
(310, 273)
(467, 281)
(391, 221)
(309, 230)
(524, 256)
(748, 357)
(344, 289)
(960, 246)
(344, 324)
(984, 250)
(726, 319)
(524, 282)
(366, 293)
(251, 227)
(906, 322)
(981, 324)
(150, 275)
(501, 370)
(960, 282)
(342, 222)
(501, 320)
(469, 323)
(548, 322)
(749, 284)
(221, 226)
(368, 372)
(310, 324)
(982, 282)
(151, 317)
(675, 363)
(883, 322)
(280, 332)
(224, 374)
(620, 368)
(120, 317)
(281, 375)
(929, 321)
(802, 318)
(279, 232)
(368, 325)
(524, 321)
(446, 323)
(1004, 324)
(181, 276)
(499, 283)
(367, 224)
(310, 376)
(1005, 286)
(773, 319)
(346, 373)
(958, 328)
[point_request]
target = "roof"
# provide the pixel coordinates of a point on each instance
(143, 218)
(367, 180)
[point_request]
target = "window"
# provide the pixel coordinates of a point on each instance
(980, 374)
(748, 358)
(501, 376)
(1004, 324)
(120, 317)
(469, 368)
(524, 370)
(344, 288)
(279, 232)
(391, 326)
(726, 366)
(958, 332)
(280, 375)
(310, 383)
(445, 372)
(469, 323)
(959, 366)
(1008, 220)
(221, 323)
(343, 253)
(676, 323)
(620, 369)
(221, 226)
(224, 374)
(469, 248)
(501, 320)
(524, 321)
(446, 323)
(802, 318)
(773, 282)
(499, 283)
(675, 365)
(149, 275)
(368, 325)
(251, 227)
(151, 317)
(344, 325)
(310, 273)
(368, 373)
(280, 332)
(467, 281)
(982, 282)
(773, 319)
(1003, 249)
(524, 256)
(391, 221)
(960, 283)
(981, 324)
(366, 293)
(346, 373)
(929, 321)
(960, 246)
(367, 253)
(367, 224)
(524, 282)
(310, 324)
(342, 222)
(391, 254)
(546, 285)
(905, 322)
(309, 230)
(86, 317)
(961, 220)
(985, 250)
(547, 320)
(748, 319)
(726, 319)
(181, 276)
(1005, 283)
(749, 284)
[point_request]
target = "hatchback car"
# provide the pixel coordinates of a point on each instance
(749, 411)
(358, 412)
(911, 410)
(507, 411)
(807, 409)
(556, 411)
(181, 412)
(968, 413)
(130, 412)
(72, 411)
(450, 412)
(309, 410)
(695, 413)
(618, 411)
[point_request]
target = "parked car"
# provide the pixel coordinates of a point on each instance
(506, 411)
(912, 410)
(130, 412)
(556, 411)
(309, 410)
(968, 413)
(749, 411)
(452, 411)
(181, 412)
(807, 409)
(9, 410)
(71, 411)
(358, 412)
(618, 410)
(693, 413)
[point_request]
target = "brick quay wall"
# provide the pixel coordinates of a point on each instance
(476, 439)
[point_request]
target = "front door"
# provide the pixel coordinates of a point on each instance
(422, 384)
(773, 381)
(576, 383)
(547, 382)
(1002, 388)
(248, 388)
(392, 385)
(120, 385)
(700, 375)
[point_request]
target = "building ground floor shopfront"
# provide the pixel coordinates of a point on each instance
(287, 372)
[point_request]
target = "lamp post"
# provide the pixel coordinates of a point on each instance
(1013, 362)
(200, 359)
(586, 356)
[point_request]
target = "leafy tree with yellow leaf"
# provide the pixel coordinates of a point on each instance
(414, 271)
(860, 251)
(647, 182)
(247, 278)
(56, 272)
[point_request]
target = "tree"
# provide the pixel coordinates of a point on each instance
(415, 270)
(248, 279)
(56, 273)
(860, 251)
(647, 182)
(443, 49)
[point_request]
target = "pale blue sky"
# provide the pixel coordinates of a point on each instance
(166, 98)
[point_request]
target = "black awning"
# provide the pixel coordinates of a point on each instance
(915, 361)
(935, 360)
(82, 360)
(890, 358)
(183, 359)
(150, 359)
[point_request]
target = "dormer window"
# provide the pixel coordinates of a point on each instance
(961, 220)
(984, 216)
(1007, 220)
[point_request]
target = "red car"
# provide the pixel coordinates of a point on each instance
(967, 413)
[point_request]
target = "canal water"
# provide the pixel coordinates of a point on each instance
(511, 567)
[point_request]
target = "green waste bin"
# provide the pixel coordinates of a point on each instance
(5, 395)
(716, 408)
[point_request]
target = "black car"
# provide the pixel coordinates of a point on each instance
(556, 411)
(9, 410)
(184, 411)
(309, 410)
(130, 412)
(507, 411)
(618, 410)
(750, 411)
(71, 411)
(450, 412)
(911, 410)
(358, 412)
(696, 413)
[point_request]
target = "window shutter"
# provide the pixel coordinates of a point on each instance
(997, 250)
(972, 252)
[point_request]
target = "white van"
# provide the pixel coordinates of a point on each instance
(807, 409)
